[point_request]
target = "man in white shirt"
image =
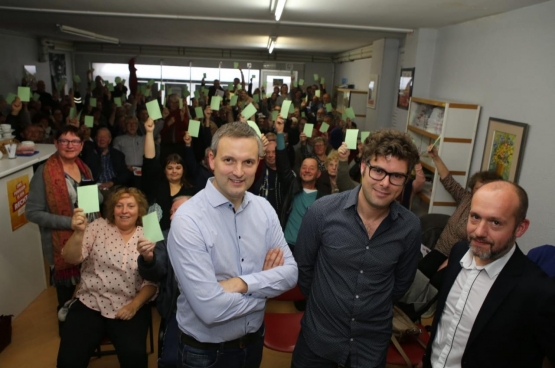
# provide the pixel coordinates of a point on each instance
(496, 308)
(133, 146)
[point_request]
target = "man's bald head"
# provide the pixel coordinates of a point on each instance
(520, 196)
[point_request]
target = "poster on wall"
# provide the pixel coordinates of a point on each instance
(406, 82)
(18, 190)
(58, 72)
(372, 91)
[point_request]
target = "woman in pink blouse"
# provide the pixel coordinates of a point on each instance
(111, 293)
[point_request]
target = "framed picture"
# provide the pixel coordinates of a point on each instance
(504, 148)
(372, 91)
(406, 82)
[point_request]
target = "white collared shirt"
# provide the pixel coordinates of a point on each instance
(463, 303)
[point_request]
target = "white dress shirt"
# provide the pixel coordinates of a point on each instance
(462, 306)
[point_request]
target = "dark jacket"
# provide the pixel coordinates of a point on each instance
(515, 327)
(160, 270)
(91, 155)
(290, 185)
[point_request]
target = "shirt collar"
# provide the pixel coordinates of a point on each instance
(216, 199)
(352, 200)
(492, 269)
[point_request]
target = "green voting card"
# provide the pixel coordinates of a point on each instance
(197, 95)
(301, 82)
(324, 127)
(363, 136)
(215, 103)
(89, 121)
(329, 107)
(198, 112)
(239, 87)
(351, 138)
(118, 80)
(154, 110)
(162, 87)
(308, 130)
(186, 86)
(291, 108)
(36, 97)
(24, 94)
(110, 87)
(205, 91)
(92, 102)
(151, 82)
(253, 76)
(11, 97)
(285, 108)
(233, 101)
(236, 65)
(303, 114)
(317, 93)
(256, 98)
(72, 113)
(186, 94)
(76, 78)
(194, 127)
(274, 115)
(180, 103)
(437, 140)
(295, 84)
(168, 91)
(316, 77)
(230, 86)
(322, 80)
(87, 198)
(253, 125)
(117, 101)
(350, 113)
(151, 228)
(248, 111)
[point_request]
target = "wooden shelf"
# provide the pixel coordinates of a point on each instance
(422, 132)
(428, 102)
(427, 166)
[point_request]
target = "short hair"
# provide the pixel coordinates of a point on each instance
(270, 136)
(178, 198)
(66, 129)
(236, 130)
(483, 177)
(522, 208)
(103, 129)
(113, 200)
(385, 142)
(332, 156)
(319, 139)
(133, 118)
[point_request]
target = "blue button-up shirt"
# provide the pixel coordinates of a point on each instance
(209, 242)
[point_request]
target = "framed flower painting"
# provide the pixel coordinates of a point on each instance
(504, 148)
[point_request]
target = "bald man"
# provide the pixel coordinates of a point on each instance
(496, 308)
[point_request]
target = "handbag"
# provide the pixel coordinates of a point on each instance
(403, 329)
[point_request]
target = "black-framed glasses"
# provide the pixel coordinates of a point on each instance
(67, 142)
(379, 174)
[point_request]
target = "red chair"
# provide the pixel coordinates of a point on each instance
(282, 329)
(413, 349)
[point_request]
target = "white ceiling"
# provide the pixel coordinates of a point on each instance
(333, 25)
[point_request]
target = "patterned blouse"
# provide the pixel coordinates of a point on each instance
(109, 273)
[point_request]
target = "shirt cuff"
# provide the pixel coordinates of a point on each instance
(252, 283)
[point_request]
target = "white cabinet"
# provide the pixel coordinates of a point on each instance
(455, 124)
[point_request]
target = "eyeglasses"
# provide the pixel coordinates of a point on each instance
(379, 174)
(66, 142)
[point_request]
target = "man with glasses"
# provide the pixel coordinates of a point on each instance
(357, 252)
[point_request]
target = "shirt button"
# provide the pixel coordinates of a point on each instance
(352, 319)
(361, 271)
(356, 296)
(242, 259)
(367, 247)
(239, 237)
(352, 339)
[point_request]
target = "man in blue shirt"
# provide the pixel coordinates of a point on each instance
(357, 252)
(228, 252)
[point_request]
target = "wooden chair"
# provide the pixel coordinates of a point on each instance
(282, 329)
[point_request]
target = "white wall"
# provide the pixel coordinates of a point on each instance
(506, 64)
(357, 72)
(19, 50)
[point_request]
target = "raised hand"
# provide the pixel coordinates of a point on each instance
(432, 151)
(303, 138)
(280, 124)
(146, 248)
(78, 220)
(187, 139)
(149, 125)
(17, 105)
(343, 152)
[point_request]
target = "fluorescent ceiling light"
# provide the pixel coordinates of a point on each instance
(271, 44)
(279, 8)
(87, 34)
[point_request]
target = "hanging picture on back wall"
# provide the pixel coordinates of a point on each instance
(504, 148)
(372, 91)
(406, 82)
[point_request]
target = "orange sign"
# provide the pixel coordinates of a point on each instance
(18, 190)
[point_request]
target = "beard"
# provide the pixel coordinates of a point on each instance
(490, 254)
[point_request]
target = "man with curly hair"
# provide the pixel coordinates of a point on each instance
(357, 252)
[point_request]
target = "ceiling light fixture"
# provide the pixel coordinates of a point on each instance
(87, 34)
(279, 8)
(271, 44)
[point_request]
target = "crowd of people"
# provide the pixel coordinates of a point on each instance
(247, 217)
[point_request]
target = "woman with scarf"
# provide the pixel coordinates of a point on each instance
(52, 198)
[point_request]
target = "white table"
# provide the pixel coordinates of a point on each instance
(22, 276)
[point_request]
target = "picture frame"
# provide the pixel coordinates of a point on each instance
(372, 97)
(504, 148)
(406, 83)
